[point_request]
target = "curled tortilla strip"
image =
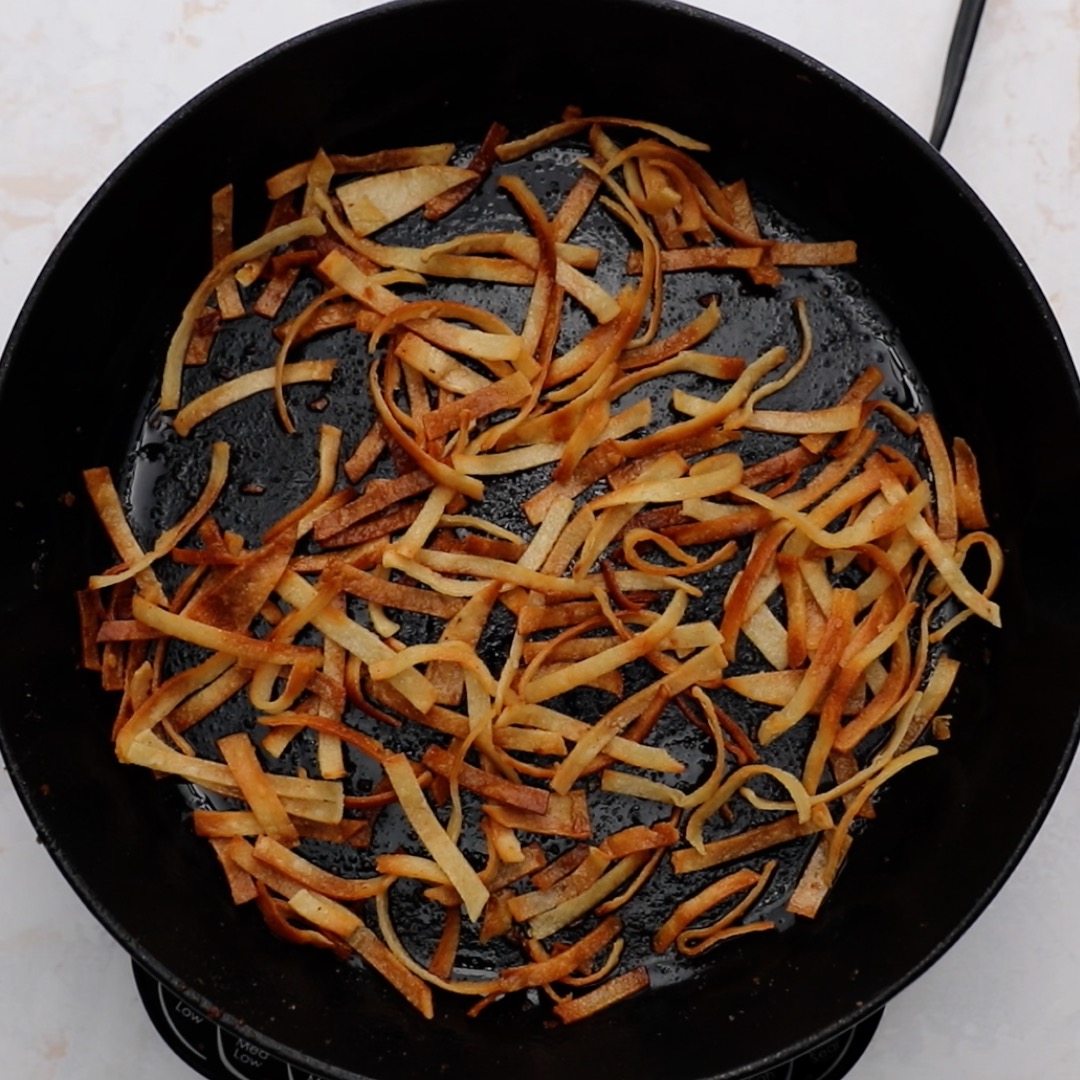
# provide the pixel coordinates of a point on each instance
(723, 889)
(443, 850)
(244, 386)
(174, 358)
(511, 151)
(215, 481)
(716, 852)
(548, 686)
(249, 650)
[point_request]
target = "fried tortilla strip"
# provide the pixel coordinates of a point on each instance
(221, 244)
(452, 562)
(701, 258)
(446, 264)
(91, 619)
(480, 165)
(502, 394)
(947, 526)
(202, 338)
(376, 201)
(551, 872)
(233, 601)
(378, 495)
(552, 921)
(548, 686)
(812, 888)
(832, 253)
(256, 789)
(244, 386)
(438, 366)
(415, 867)
(330, 316)
(278, 917)
(276, 291)
(387, 160)
(225, 824)
(527, 906)
(110, 511)
(637, 838)
(312, 877)
(492, 343)
(358, 640)
(443, 850)
(709, 897)
(174, 359)
(511, 151)
(323, 912)
(567, 815)
(969, 507)
(296, 176)
(831, 420)
(726, 475)
(617, 782)
(698, 670)
(695, 942)
(487, 785)
(366, 453)
(687, 337)
(571, 1010)
(466, 626)
(822, 667)
(653, 758)
(562, 963)
(342, 923)
(556, 616)
(392, 594)
(442, 959)
(215, 481)
(305, 515)
(243, 855)
(242, 886)
(717, 852)
(247, 650)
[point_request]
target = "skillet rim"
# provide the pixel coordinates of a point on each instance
(223, 85)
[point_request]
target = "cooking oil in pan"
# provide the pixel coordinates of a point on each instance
(270, 472)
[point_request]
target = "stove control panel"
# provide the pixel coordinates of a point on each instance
(217, 1054)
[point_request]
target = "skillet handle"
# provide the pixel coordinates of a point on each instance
(963, 39)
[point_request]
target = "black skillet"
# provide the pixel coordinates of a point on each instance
(86, 355)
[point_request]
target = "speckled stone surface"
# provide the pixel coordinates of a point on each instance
(81, 84)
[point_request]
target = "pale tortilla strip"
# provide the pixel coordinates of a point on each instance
(375, 201)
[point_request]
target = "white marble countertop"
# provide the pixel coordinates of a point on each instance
(81, 84)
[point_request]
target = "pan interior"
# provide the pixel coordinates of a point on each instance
(935, 272)
(271, 472)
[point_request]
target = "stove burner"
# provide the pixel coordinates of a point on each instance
(217, 1054)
